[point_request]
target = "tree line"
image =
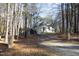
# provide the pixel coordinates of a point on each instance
(70, 18)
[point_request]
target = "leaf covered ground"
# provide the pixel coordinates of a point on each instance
(27, 47)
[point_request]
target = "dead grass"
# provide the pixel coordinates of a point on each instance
(27, 50)
(64, 36)
(21, 48)
(64, 39)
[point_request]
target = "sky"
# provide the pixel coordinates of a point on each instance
(48, 8)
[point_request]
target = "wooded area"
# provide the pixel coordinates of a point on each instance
(29, 24)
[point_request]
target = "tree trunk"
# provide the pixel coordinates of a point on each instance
(62, 8)
(7, 30)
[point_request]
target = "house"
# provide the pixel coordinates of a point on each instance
(45, 29)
